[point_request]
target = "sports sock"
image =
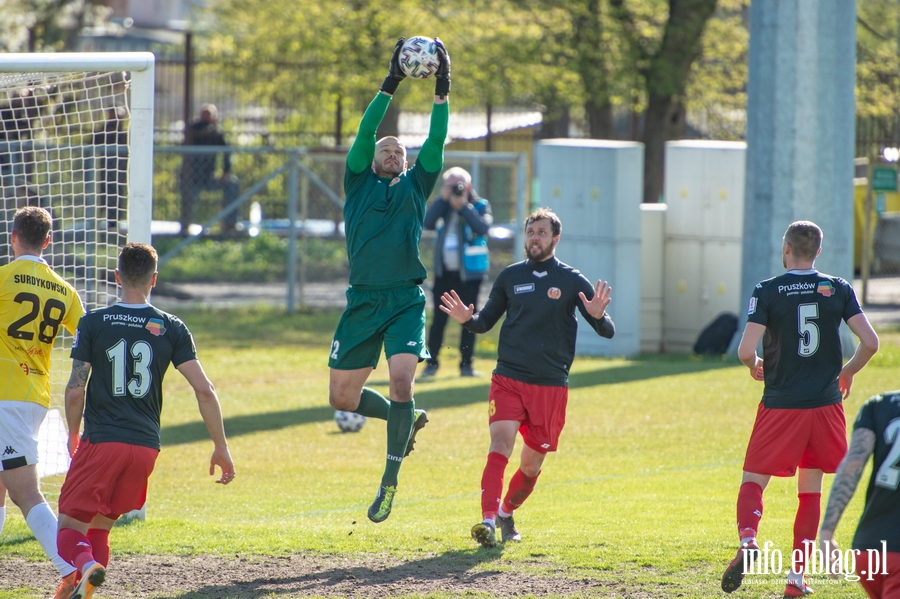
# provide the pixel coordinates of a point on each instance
(399, 427)
(492, 484)
(520, 487)
(42, 522)
(74, 547)
(99, 539)
(2, 518)
(806, 523)
(373, 404)
(749, 509)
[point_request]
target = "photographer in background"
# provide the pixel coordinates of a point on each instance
(460, 259)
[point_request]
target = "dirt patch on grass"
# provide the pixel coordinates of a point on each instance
(208, 577)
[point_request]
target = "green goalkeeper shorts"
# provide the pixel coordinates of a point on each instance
(390, 318)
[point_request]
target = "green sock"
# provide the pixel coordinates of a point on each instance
(399, 427)
(373, 404)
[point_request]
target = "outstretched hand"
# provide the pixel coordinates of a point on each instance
(222, 459)
(395, 73)
(455, 307)
(442, 76)
(596, 306)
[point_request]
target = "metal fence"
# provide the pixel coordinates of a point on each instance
(877, 231)
(297, 193)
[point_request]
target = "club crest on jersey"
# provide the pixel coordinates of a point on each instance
(394, 181)
(825, 288)
(752, 308)
(554, 293)
(526, 288)
(155, 327)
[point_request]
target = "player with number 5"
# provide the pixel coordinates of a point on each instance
(800, 420)
(121, 354)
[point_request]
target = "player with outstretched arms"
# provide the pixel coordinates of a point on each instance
(876, 433)
(800, 420)
(383, 218)
(35, 305)
(529, 387)
(119, 358)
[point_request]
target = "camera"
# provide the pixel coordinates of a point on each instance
(459, 190)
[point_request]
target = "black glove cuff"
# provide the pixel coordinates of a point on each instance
(390, 85)
(441, 87)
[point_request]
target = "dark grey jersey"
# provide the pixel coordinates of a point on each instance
(129, 349)
(802, 311)
(880, 520)
(537, 339)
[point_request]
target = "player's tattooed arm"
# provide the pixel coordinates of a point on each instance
(862, 444)
(79, 376)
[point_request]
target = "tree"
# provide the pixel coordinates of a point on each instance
(665, 66)
(46, 25)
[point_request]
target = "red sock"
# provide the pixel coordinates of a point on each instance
(492, 484)
(99, 540)
(74, 547)
(806, 522)
(520, 487)
(749, 508)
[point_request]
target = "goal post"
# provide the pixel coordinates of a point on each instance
(76, 138)
(140, 67)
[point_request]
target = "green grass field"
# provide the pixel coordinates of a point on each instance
(641, 494)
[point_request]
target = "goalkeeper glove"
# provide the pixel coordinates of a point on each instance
(442, 76)
(395, 73)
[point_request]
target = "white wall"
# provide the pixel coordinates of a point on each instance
(704, 193)
(595, 188)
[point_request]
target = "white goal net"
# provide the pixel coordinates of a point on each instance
(76, 138)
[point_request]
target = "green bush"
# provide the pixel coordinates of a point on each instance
(254, 260)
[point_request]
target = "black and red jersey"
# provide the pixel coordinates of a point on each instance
(537, 339)
(129, 348)
(802, 311)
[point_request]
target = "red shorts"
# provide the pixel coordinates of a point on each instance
(882, 586)
(539, 409)
(785, 439)
(108, 479)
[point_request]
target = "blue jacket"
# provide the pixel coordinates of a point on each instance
(475, 219)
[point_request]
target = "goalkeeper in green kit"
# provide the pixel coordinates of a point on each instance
(383, 220)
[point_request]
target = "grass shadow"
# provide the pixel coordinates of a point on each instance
(429, 397)
(434, 574)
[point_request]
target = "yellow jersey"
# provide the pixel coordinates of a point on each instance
(34, 303)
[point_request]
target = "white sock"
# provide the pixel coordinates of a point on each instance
(42, 522)
(795, 577)
(2, 517)
(503, 514)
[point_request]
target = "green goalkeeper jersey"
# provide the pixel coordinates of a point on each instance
(383, 218)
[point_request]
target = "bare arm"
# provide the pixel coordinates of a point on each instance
(211, 412)
(862, 444)
(868, 345)
(753, 332)
(75, 401)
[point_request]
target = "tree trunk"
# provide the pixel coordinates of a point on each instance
(390, 124)
(600, 120)
(666, 77)
(555, 123)
(663, 121)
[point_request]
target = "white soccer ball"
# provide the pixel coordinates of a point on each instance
(349, 422)
(419, 57)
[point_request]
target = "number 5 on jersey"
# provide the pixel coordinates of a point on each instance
(809, 332)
